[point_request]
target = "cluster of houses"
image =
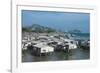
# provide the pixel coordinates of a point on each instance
(42, 43)
(85, 44)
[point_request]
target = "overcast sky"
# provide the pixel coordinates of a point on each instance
(64, 21)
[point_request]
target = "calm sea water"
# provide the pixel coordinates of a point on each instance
(81, 36)
(77, 54)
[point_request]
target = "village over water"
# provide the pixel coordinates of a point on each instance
(41, 43)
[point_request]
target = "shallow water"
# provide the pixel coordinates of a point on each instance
(76, 54)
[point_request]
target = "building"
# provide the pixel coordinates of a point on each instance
(42, 49)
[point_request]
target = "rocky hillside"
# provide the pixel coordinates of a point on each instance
(38, 28)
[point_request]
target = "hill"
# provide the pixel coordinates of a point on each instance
(38, 29)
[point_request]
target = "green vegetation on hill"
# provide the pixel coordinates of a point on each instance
(38, 29)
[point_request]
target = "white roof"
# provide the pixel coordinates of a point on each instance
(41, 45)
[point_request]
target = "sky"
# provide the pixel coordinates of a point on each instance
(64, 21)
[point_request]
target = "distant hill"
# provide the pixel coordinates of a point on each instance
(38, 29)
(75, 31)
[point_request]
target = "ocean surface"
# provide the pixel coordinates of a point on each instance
(76, 54)
(80, 36)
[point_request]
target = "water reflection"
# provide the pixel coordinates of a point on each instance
(76, 54)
